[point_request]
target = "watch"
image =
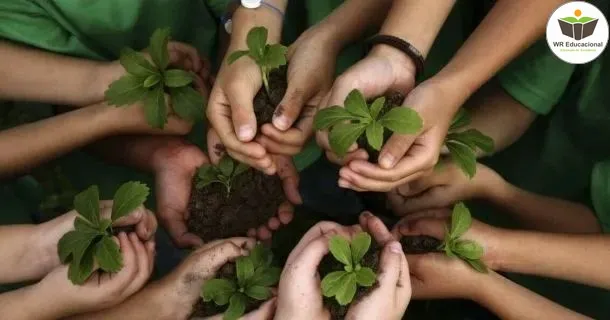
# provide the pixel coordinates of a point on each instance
(248, 4)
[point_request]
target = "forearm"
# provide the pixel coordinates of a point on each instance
(26, 303)
(35, 75)
(245, 19)
(508, 301)
(543, 213)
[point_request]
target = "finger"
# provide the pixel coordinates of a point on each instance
(264, 312)
(434, 198)
(307, 261)
(290, 107)
(290, 178)
(278, 148)
(265, 164)
(314, 232)
(216, 150)
(389, 266)
(147, 227)
(152, 251)
(434, 227)
(243, 242)
(285, 212)
(190, 51)
(142, 259)
(292, 137)
(346, 185)
(178, 231)
(371, 184)
(130, 263)
(241, 98)
(274, 223)
(377, 229)
(395, 149)
(214, 258)
(403, 287)
(106, 204)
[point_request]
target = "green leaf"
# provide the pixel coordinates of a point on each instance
(261, 256)
(329, 117)
(158, 47)
(347, 290)
(237, 307)
(236, 55)
(83, 225)
(448, 250)
(376, 107)
(256, 41)
(356, 104)
(219, 290)
(374, 135)
(73, 245)
(402, 120)
(343, 135)
(474, 139)
(79, 271)
(176, 78)
(360, 246)
(245, 270)
(207, 172)
(187, 103)
(340, 249)
(275, 56)
(467, 249)
(463, 157)
(460, 220)
(155, 108)
(226, 166)
(128, 197)
(241, 168)
(478, 265)
(258, 292)
(129, 89)
(87, 204)
(266, 276)
(108, 255)
(136, 64)
(331, 283)
(152, 80)
(104, 224)
(365, 277)
(461, 119)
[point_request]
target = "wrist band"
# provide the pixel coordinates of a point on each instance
(402, 45)
(227, 20)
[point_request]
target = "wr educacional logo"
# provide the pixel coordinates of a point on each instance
(577, 27)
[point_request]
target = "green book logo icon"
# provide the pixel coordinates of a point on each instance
(577, 27)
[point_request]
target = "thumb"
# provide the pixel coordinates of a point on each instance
(209, 261)
(290, 178)
(178, 231)
(433, 198)
(264, 312)
(216, 149)
(310, 257)
(289, 108)
(433, 227)
(242, 110)
(390, 266)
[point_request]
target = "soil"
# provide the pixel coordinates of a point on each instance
(420, 244)
(255, 197)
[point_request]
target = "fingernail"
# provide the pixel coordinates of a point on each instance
(343, 183)
(280, 122)
(395, 247)
(367, 214)
(245, 132)
(387, 161)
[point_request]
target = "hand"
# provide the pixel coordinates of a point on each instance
(404, 158)
(264, 312)
(385, 69)
(443, 187)
(102, 290)
(310, 74)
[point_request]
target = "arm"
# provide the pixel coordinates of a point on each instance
(245, 19)
(28, 303)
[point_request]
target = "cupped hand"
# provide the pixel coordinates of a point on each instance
(443, 187)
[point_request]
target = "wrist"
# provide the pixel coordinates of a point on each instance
(483, 293)
(45, 239)
(401, 63)
(245, 19)
(103, 74)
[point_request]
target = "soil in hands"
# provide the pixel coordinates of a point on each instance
(330, 264)
(254, 198)
(420, 244)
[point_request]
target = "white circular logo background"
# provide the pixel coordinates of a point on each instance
(577, 32)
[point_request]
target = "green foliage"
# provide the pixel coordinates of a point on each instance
(91, 239)
(226, 170)
(343, 284)
(348, 124)
(255, 274)
(463, 144)
(467, 250)
(267, 56)
(148, 82)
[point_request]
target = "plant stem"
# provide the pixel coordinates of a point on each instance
(266, 81)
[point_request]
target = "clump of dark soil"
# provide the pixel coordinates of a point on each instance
(420, 244)
(254, 198)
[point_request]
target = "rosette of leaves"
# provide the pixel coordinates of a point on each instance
(343, 284)
(267, 56)
(467, 250)
(255, 275)
(149, 82)
(348, 124)
(91, 240)
(463, 144)
(225, 172)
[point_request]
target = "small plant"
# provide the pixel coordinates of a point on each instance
(349, 123)
(91, 239)
(467, 250)
(463, 145)
(149, 82)
(224, 173)
(267, 56)
(255, 276)
(343, 284)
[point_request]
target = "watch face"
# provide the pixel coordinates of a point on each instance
(251, 4)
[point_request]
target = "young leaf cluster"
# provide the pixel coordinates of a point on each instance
(224, 173)
(267, 56)
(149, 82)
(343, 284)
(255, 277)
(91, 240)
(463, 145)
(467, 250)
(349, 123)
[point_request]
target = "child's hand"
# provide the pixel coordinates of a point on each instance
(443, 187)
(102, 290)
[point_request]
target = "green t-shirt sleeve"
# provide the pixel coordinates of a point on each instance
(537, 79)
(600, 193)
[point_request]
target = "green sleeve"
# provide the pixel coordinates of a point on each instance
(537, 79)
(600, 193)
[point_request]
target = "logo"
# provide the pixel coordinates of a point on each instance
(577, 32)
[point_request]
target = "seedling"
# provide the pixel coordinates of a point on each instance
(224, 173)
(349, 123)
(467, 250)
(343, 284)
(91, 239)
(149, 82)
(463, 145)
(255, 275)
(267, 56)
